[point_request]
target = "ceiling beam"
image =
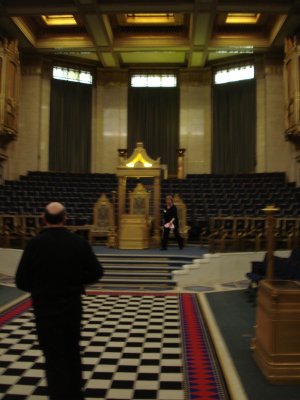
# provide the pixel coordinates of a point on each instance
(27, 7)
(202, 26)
(99, 29)
(288, 27)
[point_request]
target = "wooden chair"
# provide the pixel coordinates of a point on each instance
(204, 232)
(30, 225)
(223, 233)
(103, 220)
(242, 228)
(229, 237)
(10, 230)
(256, 235)
(215, 231)
(286, 231)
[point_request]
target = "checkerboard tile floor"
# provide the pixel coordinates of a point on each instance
(131, 348)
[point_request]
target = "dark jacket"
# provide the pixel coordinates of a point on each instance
(169, 214)
(54, 267)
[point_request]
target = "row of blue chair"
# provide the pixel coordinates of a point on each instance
(205, 195)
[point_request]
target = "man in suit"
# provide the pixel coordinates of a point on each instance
(171, 223)
(54, 267)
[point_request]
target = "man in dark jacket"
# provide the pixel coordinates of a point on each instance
(170, 223)
(54, 267)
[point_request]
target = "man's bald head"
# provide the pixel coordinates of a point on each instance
(55, 214)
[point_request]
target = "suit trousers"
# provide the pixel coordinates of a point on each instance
(165, 238)
(59, 339)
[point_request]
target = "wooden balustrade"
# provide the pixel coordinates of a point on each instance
(249, 233)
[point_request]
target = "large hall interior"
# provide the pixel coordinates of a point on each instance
(110, 106)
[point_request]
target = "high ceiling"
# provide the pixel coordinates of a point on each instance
(138, 33)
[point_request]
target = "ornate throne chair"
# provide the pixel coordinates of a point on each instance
(139, 201)
(181, 210)
(135, 226)
(103, 220)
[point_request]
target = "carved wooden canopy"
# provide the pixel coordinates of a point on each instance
(139, 164)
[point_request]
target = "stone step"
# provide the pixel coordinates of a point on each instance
(134, 261)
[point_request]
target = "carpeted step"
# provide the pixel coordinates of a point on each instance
(142, 274)
(132, 261)
(136, 281)
(140, 270)
(135, 265)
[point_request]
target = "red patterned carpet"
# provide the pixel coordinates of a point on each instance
(203, 373)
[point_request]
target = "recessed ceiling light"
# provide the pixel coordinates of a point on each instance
(65, 19)
(242, 18)
(150, 18)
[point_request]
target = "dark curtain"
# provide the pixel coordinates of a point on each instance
(153, 118)
(234, 127)
(70, 126)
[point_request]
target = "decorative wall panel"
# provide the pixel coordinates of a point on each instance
(9, 90)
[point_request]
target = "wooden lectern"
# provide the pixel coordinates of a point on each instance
(277, 342)
(133, 233)
(134, 227)
(276, 345)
